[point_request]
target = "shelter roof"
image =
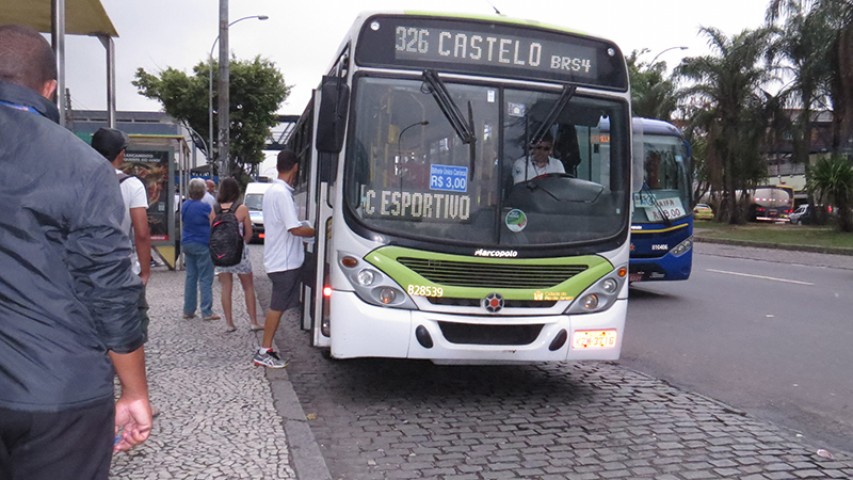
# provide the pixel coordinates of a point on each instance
(82, 17)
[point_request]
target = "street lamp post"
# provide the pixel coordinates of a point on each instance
(210, 93)
(664, 51)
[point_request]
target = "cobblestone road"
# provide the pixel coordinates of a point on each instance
(389, 419)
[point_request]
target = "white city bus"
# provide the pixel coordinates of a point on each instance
(426, 248)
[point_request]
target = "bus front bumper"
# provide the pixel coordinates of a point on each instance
(366, 330)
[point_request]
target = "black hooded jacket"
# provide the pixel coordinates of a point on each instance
(67, 292)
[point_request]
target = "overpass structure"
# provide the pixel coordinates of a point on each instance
(281, 133)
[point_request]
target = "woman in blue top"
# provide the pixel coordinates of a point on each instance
(195, 237)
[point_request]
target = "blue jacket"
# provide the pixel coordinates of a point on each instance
(67, 292)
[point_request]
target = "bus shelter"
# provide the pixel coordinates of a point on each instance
(162, 162)
(61, 17)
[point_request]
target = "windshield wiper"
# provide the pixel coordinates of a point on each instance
(660, 210)
(566, 95)
(449, 108)
(463, 128)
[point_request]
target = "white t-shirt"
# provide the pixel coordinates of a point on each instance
(518, 169)
(134, 196)
(282, 250)
(209, 199)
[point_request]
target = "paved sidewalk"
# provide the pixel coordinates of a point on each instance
(218, 418)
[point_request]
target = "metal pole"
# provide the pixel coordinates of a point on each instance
(664, 51)
(224, 98)
(57, 35)
(211, 159)
(223, 83)
(109, 45)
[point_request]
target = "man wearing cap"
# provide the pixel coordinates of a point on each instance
(68, 296)
(112, 144)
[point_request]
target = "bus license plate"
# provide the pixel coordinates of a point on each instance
(593, 339)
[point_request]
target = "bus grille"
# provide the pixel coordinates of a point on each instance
(489, 275)
(477, 302)
(467, 334)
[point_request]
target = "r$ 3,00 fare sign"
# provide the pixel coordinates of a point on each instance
(448, 178)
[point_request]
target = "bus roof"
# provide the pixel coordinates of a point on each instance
(650, 126)
(659, 127)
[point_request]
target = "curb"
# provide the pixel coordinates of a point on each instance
(777, 246)
(306, 459)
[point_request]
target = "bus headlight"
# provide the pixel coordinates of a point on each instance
(589, 302)
(600, 295)
(365, 277)
(683, 247)
(373, 286)
(609, 285)
(386, 295)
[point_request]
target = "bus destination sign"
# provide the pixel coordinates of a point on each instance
(489, 48)
(513, 51)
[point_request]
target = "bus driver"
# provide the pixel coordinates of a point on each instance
(539, 162)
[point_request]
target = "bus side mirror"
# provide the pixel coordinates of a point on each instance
(332, 117)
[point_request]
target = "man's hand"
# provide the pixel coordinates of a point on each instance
(133, 410)
(133, 422)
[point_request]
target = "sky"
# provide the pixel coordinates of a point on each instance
(301, 36)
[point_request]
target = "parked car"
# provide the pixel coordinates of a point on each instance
(796, 217)
(703, 212)
(254, 200)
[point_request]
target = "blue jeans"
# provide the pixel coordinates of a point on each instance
(199, 279)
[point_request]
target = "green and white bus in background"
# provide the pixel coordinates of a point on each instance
(426, 247)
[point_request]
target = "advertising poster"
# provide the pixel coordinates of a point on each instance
(152, 167)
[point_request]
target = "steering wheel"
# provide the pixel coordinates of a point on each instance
(553, 175)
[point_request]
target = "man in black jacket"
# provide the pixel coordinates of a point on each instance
(68, 318)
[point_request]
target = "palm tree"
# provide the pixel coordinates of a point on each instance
(730, 107)
(832, 180)
(842, 80)
(652, 95)
(827, 27)
(805, 44)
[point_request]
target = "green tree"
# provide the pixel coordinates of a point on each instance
(805, 44)
(699, 169)
(832, 181)
(726, 100)
(652, 94)
(832, 19)
(257, 89)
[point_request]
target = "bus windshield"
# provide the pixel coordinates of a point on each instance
(410, 175)
(665, 195)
